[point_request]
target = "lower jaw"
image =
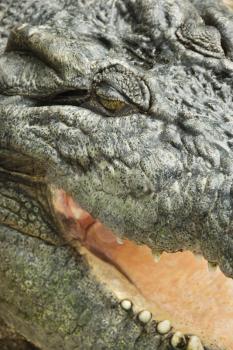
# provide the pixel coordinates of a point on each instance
(178, 287)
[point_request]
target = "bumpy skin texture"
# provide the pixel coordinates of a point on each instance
(127, 105)
(129, 164)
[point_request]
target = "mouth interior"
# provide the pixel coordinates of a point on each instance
(178, 287)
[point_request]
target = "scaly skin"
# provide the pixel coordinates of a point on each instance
(127, 106)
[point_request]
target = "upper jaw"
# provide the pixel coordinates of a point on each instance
(139, 187)
(141, 221)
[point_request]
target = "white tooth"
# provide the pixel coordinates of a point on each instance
(198, 257)
(119, 240)
(212, 267)
(32, 31)
(76, 212)
(164, 327)
(178, 340)
(194, 343)
(175, 187)
(126, 304)
(145, 316)
(22, 26)
(157, 256)
(111, 169)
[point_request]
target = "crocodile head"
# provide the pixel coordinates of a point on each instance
(127, 114)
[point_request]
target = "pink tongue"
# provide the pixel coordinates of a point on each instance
(195, 300)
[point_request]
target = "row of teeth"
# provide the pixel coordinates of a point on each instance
(177, 340)
(212, 267)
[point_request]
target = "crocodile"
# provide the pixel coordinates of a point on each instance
(116, 146)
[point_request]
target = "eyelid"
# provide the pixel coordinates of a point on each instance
(109, 93)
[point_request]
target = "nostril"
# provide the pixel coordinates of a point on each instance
(204, 39)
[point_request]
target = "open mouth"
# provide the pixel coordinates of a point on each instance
(179, 287)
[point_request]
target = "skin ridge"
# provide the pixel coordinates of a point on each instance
(159, 170)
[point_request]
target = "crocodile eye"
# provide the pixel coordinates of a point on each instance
(112, 105)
